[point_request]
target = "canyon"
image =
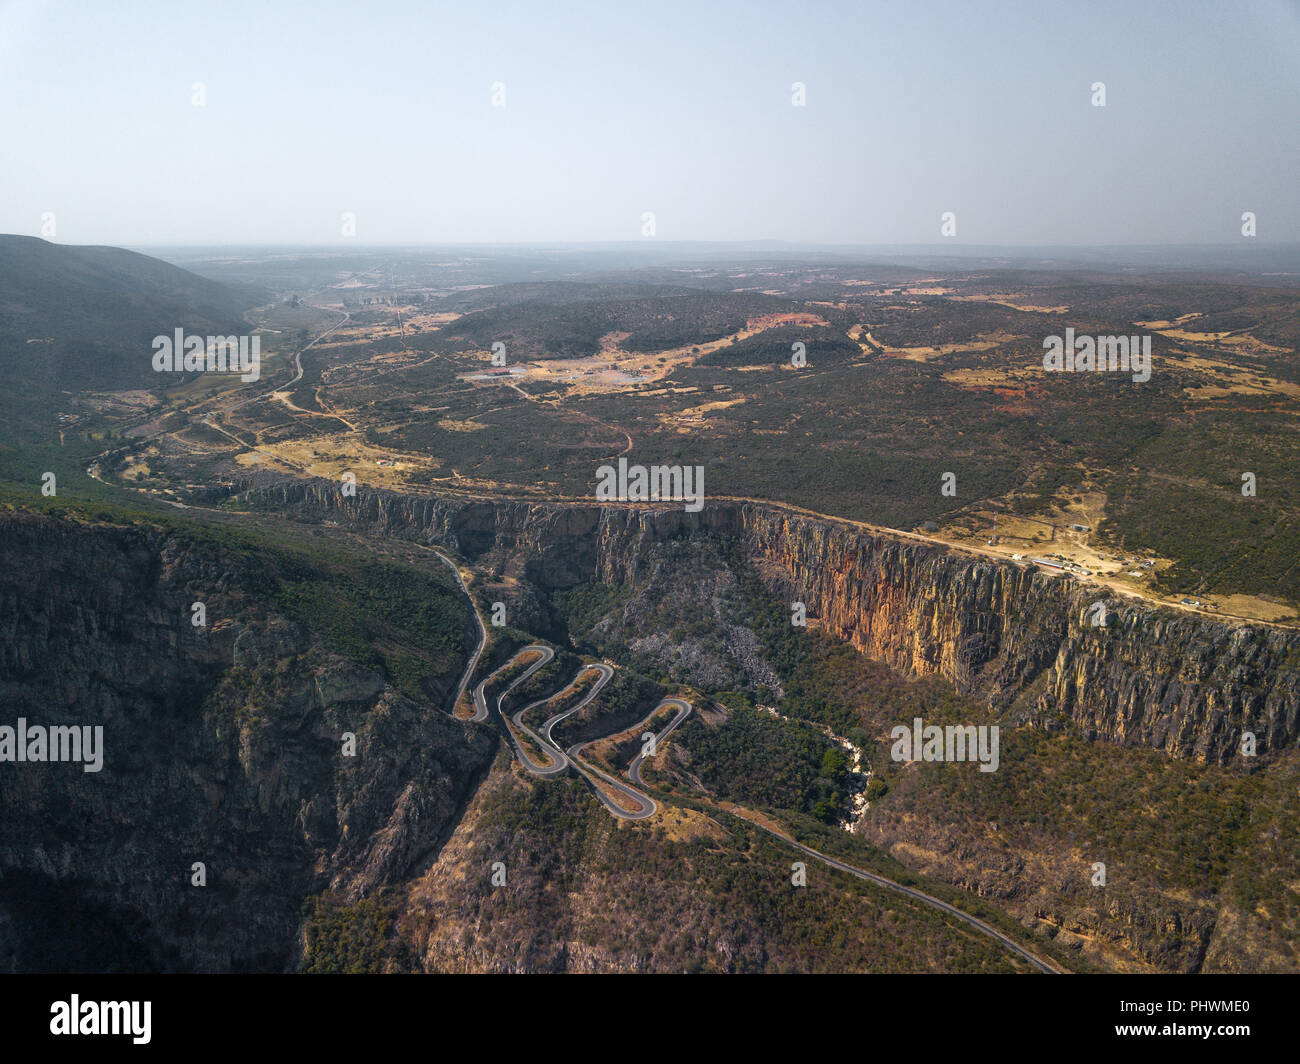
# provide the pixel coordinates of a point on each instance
(1009, 635)
(220, 747)
(223, 744)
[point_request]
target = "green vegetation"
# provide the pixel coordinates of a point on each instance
(376, 613)
(411, 623)
(626, 699)
(831, 683)
(1238, 543)
(670, 318)
(92, 312)
(584, 604)
(823, 347)
(638, 900)
(757, 759)
(351, 939)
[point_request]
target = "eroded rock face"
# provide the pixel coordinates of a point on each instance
(1156, 677)
(1008, 634)
(221, 747)
(224, 747)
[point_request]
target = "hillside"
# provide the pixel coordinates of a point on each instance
(82, 318)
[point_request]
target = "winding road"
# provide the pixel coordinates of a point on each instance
(297, 362)
(559, 762)
(480, 692)
(646, 806)
(482, 630)
(641, 806)
(602, 783)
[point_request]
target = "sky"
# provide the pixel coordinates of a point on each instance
(259, 123)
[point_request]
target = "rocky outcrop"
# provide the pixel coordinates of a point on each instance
(222, 747)
(1016, 637)
(1023, 640)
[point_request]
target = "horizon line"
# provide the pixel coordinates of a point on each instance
(652, 242)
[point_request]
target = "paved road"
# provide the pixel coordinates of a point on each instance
(297, 362)
(645, 805)
(480, 696)
(93, 469)
(559, 762)
(1095, 579)
(478, 619)
(639, 806)
(606, 674)
(920, 895)
(683, 711)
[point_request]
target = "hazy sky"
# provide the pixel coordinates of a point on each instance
(682, 109)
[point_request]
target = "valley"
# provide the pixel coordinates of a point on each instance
(397, 542)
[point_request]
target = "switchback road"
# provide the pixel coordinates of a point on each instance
(480, 696)
(628, 803)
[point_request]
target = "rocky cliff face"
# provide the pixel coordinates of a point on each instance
(221, 746)
(1020, 639)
